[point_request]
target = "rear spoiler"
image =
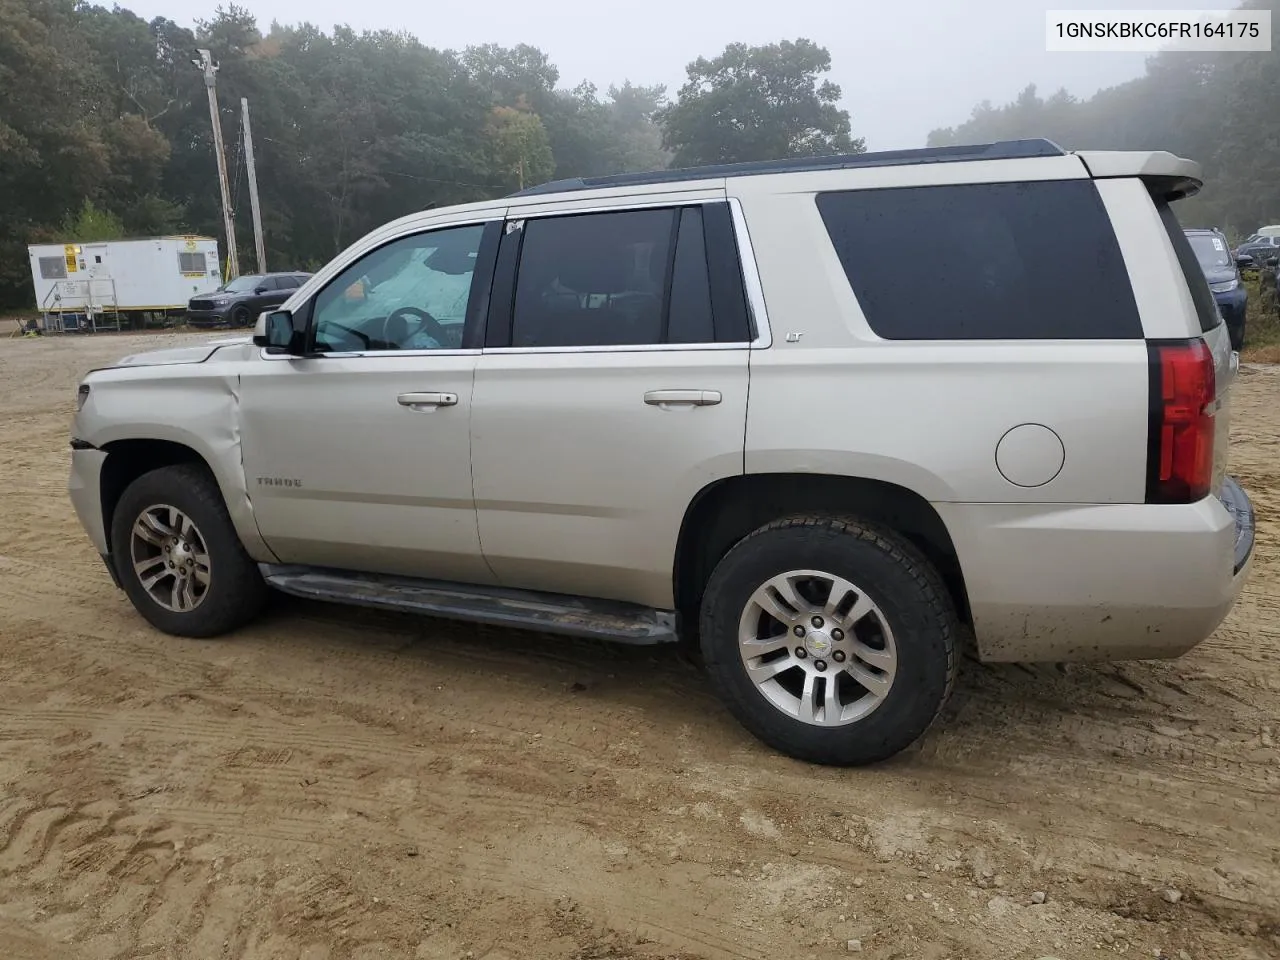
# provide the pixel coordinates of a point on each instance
(1166, 175)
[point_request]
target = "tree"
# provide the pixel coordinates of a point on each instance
(637, 139)
(520, 149)
(757, 103)
(90, 225)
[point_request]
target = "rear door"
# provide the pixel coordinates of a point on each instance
(612, 388)
(279, 288)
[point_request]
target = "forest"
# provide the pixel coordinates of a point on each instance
(105, 129)
(1222, 110)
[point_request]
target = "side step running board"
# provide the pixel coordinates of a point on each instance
(549, 612)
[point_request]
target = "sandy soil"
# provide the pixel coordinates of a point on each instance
(331, 784)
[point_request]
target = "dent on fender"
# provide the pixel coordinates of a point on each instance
(201, 413)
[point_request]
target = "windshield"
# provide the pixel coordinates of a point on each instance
(240, 284)
(1211, 251)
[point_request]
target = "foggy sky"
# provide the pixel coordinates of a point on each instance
(904, 68)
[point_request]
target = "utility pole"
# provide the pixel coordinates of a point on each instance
(258, 242)
(210, 69)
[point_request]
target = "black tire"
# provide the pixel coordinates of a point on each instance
(895, 576)
(241, 316)
(236, 592)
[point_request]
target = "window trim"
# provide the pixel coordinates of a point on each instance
(502, 304)
(304, 313)
(757, 311)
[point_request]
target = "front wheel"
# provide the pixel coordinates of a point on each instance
(179, 558)
(831, 640)
(241, 317)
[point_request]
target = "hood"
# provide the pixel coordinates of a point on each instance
(197, 353)
(1220, 274)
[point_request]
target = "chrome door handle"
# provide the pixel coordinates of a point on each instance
(427, 399)
(685, 398)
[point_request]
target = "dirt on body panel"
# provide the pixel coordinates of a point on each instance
(335, 783)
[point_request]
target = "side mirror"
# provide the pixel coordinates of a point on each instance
(261, 288)
(1273, 261)
(1244, 261)
(275, 332)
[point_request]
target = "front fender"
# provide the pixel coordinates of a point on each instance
(195, 407)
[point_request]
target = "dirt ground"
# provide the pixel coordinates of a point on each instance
(331, 784)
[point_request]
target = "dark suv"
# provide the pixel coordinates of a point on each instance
(238, 302)
(1214, 254)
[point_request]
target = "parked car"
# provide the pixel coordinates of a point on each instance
(1255, 251)
(1210, 247)
(534, 411)
(238, 302)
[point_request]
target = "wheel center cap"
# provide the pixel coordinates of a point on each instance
(818, 642)
(181, 553)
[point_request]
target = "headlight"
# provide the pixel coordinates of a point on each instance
(222, 301)
(81, 396)
(1224, 286)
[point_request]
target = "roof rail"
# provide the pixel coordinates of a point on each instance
(1002, 150)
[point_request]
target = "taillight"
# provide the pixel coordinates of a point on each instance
(1180, 436)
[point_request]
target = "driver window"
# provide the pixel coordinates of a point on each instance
(408, 295)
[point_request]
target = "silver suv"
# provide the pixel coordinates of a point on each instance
(718, 405)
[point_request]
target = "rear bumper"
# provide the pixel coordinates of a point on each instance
(1051, 582)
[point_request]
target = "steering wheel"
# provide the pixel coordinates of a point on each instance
(428, 322)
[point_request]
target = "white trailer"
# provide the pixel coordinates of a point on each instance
(83, 283)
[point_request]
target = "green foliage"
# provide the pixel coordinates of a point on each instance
(91, 224)
(758, 103)
(1262, 323)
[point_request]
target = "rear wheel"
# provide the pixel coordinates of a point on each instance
(179, 558)
(830, 640)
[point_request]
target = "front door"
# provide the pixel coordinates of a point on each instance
(358, 457)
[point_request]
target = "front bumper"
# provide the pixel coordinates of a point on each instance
(215, 317)
(1232, 305)
(85, 488)
(1061, 582)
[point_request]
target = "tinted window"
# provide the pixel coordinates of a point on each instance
(691, 320)
(411, 294)
(1023, 261)
(1206, 307)
(592, 279)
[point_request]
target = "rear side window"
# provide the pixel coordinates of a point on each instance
(1016, 261)
(1201, 296)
